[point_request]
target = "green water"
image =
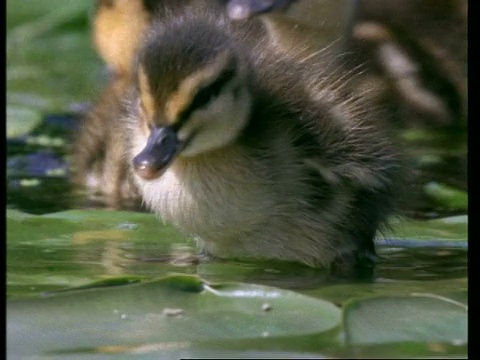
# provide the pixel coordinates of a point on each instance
(52, 69)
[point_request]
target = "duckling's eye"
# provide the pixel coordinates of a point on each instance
(204, 96)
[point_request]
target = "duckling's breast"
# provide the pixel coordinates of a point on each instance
(214, 196)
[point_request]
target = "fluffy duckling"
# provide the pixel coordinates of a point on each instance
(257, 155)
(419, 50)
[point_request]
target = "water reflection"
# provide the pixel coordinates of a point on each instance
(428, 263)
(35, 267)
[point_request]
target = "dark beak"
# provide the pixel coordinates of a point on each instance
(162, 147)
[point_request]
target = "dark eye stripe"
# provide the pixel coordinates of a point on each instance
(206, 94)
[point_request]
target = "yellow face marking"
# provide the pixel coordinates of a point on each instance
(177, 102)
(182, 98)
(147, 101)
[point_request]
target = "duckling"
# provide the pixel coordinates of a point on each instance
(419, 49)
(255, 153)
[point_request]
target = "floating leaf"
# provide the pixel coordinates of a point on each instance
(41, 16)
(21, 120)
(446, 196)
(447, 229)
(74, 248)
(178, 309)
(420, 317)
(340, 294)
(400, 350)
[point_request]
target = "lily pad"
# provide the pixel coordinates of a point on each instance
(450, 229)
(420, 317)
(21, 120)
(400, 350)
(175, 311)
(74, 248)
(446, 196)
(76, 225)
(36, 17)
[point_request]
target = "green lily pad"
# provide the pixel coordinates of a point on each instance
(446, 196)
(21, 120)
(36, 17)
(400, 350)
(38, 32)
(341, 294)
(75, 248)
(86, 226)
(178, 309)
(420, 317)
(450, 229)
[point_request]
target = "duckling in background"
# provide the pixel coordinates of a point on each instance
(257, 154)
(100, 148)
(420, 48)
(119, 25)
(117, 28)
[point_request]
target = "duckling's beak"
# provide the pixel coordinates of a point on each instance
(162, 147)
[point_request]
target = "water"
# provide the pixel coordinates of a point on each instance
(73, 250)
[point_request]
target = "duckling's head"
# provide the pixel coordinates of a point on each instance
(193, 94)
(117, 29)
